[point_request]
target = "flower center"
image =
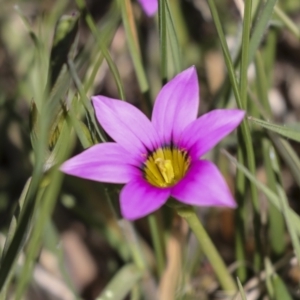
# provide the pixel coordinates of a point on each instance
(166, 166)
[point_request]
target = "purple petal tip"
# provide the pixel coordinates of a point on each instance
(150, 7)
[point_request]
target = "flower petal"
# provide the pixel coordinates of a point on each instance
(205, 132)
(138, 198)
(176, 105)
(149, 6)
(203, 185)
(106, 162)
(127, 125)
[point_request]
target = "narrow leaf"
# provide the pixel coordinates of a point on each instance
(260, 28)
(241, 289)
(286, 131)
(121, 284)
(280, 289)
(64, 36)
(133, 44)
(288, 154)
(103, 48)
(163, 38)
(174, 45)
(270, 194)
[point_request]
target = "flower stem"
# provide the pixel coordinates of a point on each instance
(157, 243)
(217, 263)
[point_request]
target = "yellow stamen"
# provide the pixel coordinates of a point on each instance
(166, 169)
(166, 166)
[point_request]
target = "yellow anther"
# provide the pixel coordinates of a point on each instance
(166, 169)
(166, 166)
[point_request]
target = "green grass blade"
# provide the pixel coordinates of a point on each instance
(85, 101)
(288, 154)
(10, 235)
(241, 289)
(285, 131)
(44, 211)
(226, 53)
(158, 243)
(285, 210)
(290, 25)
(245, 52)
(276, 221)
(240, 190)
(280, 290)
(282, 146)
(260, 28)
(231, 73)
(274, 198)
(81, 130)
(48, 109)
(290, 223)
(162, 22)
(121, 283)
(12, 226)
(172, 35)
(64, 36)
(133, 43)
(88, 83)
(108, 28)
(113, 68)
(240, 96)
(269, 273)
(246, 138)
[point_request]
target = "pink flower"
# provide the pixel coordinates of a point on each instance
(159, 159)
(149, 6)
